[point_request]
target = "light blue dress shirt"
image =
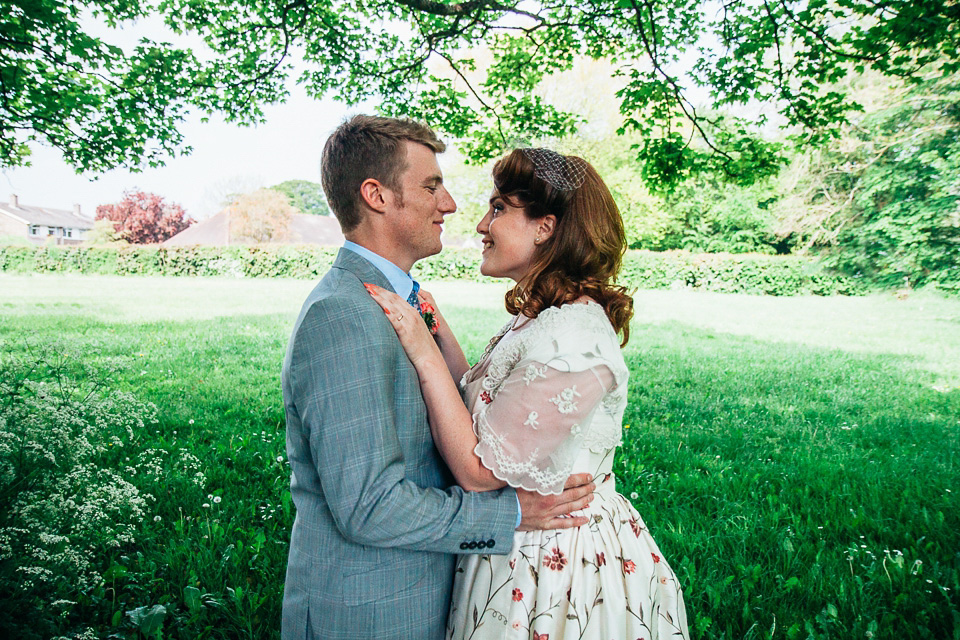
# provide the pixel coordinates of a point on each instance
(400, 280)
(402, 283)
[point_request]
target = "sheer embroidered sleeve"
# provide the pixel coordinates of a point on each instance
(531, 425)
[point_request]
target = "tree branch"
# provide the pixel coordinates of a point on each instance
(464, 8)
(689, 111)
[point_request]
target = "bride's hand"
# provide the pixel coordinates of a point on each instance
(410, 327)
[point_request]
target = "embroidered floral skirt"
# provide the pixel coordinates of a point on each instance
(606, 579)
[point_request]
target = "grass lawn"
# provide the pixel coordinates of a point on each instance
(797, 459)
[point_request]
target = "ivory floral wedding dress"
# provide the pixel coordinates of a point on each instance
(547, 400)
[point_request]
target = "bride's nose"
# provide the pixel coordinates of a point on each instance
(484, 225)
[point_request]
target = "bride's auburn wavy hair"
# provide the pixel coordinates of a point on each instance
(585, 252)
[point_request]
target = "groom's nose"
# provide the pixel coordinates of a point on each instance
(445, 204)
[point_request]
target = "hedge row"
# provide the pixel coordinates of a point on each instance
(238, 261)
(727, 273)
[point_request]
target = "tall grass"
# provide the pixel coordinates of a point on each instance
(796, 458)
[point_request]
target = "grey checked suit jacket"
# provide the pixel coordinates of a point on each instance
(378, 516)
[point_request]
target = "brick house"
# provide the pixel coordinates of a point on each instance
(38, 224)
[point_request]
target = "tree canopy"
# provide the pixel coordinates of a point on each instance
(143, 218)
(687, 67)
(261, 217)
(305, 196)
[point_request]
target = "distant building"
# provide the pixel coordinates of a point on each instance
(305, 228)
(39, 224)
(215, 232)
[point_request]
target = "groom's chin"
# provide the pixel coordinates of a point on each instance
(437, 248)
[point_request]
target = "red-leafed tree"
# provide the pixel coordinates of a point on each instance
(144, 218)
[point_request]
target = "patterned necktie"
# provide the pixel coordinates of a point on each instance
(412, 298)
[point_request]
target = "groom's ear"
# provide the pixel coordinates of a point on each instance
(374, 195)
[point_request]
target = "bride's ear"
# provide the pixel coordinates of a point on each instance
(547, 225)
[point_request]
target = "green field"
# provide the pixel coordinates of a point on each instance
(797, 459)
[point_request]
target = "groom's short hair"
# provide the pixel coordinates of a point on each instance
(365, 147)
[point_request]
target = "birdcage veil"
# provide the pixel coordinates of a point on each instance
(565, 173)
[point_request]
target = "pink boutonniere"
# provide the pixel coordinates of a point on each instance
(429, 315)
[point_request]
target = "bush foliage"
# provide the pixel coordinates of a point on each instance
(727, 273)
(144, 218)
(76, 485)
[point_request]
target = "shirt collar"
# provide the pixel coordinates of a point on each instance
(400, 280)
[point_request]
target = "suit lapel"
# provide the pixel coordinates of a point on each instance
(362, 268)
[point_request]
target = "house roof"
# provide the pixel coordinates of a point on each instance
(212, 232)
(304, 229)
(313, 229)
(45, 216)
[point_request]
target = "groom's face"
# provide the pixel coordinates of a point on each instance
(422, 204)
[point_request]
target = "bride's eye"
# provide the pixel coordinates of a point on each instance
(496, 208)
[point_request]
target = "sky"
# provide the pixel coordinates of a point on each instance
(225, 159)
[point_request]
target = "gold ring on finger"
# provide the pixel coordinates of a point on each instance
(400, 317)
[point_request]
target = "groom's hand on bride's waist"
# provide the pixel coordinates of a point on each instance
(553, 512)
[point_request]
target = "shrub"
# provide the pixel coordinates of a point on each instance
(726, 273)
(69, 496)
(722, 272)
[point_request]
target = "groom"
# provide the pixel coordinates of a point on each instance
(379, 517)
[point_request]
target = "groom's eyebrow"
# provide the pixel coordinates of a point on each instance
(434, 180)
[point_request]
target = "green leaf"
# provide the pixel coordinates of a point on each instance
(191, 597)
(148, 620)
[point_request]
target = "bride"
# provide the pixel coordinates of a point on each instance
(546, 400)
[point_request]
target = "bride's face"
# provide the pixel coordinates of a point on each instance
(509, 239)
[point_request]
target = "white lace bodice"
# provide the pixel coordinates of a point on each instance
(547, 398)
